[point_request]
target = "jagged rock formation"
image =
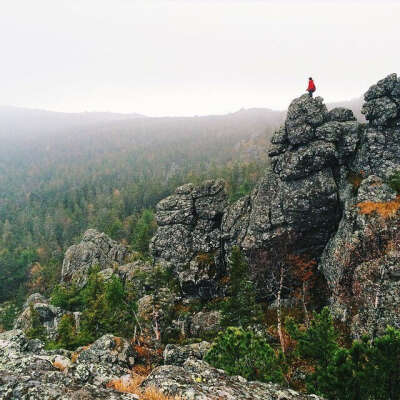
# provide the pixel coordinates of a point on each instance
(307, 203)
(380, 142)
(300, 197)
(189, 236)
(196, 379)
(95, 249)
(299, 200)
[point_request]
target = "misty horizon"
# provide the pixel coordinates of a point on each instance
(176, 58)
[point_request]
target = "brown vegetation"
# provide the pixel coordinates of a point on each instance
(384, 209)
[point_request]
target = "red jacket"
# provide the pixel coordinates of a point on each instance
(311, 86)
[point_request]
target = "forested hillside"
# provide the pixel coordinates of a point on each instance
(62, 173)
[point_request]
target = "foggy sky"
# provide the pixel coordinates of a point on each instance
(191, 57)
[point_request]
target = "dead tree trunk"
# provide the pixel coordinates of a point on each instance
(279, 311)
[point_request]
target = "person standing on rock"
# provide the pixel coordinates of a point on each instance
(311, 87)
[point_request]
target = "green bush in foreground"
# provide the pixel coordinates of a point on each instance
(241, 352)
(366, 370)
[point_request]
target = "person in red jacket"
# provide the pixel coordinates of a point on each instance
(311, 87)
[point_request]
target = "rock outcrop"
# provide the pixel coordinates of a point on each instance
(27, 371)
(308, 203)
(299, 198)
(189, 236)
(298, 202)
(95, 250)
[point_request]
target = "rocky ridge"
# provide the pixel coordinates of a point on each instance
(326, 195)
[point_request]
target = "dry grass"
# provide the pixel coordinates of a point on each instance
(384, 209)
(132, 385)
(141, 369)
(59, 365)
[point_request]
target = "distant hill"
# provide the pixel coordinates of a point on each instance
(19, 121)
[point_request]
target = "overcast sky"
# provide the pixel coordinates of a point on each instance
(191, 57)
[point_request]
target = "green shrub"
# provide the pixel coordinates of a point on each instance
(394, 181)
(241, 352)
(67, 297)
(366, 370)
(385, 370)
(107, 307)
(143, 231)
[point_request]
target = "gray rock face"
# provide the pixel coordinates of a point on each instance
(95, 249)
(189, 236)
(379, 151)
(197, 380)
(382, 106)
(357, 262)
(301, 195)
(27, 372)
(360, 261)
(35, 298)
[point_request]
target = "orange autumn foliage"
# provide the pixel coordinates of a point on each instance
(384, 209)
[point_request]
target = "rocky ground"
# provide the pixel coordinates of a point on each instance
(27, 371)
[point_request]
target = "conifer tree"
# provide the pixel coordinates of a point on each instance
(37, 330)
(241, 309)
(243, 353)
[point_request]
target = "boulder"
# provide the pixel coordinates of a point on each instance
(95, 249)
(382, 103)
